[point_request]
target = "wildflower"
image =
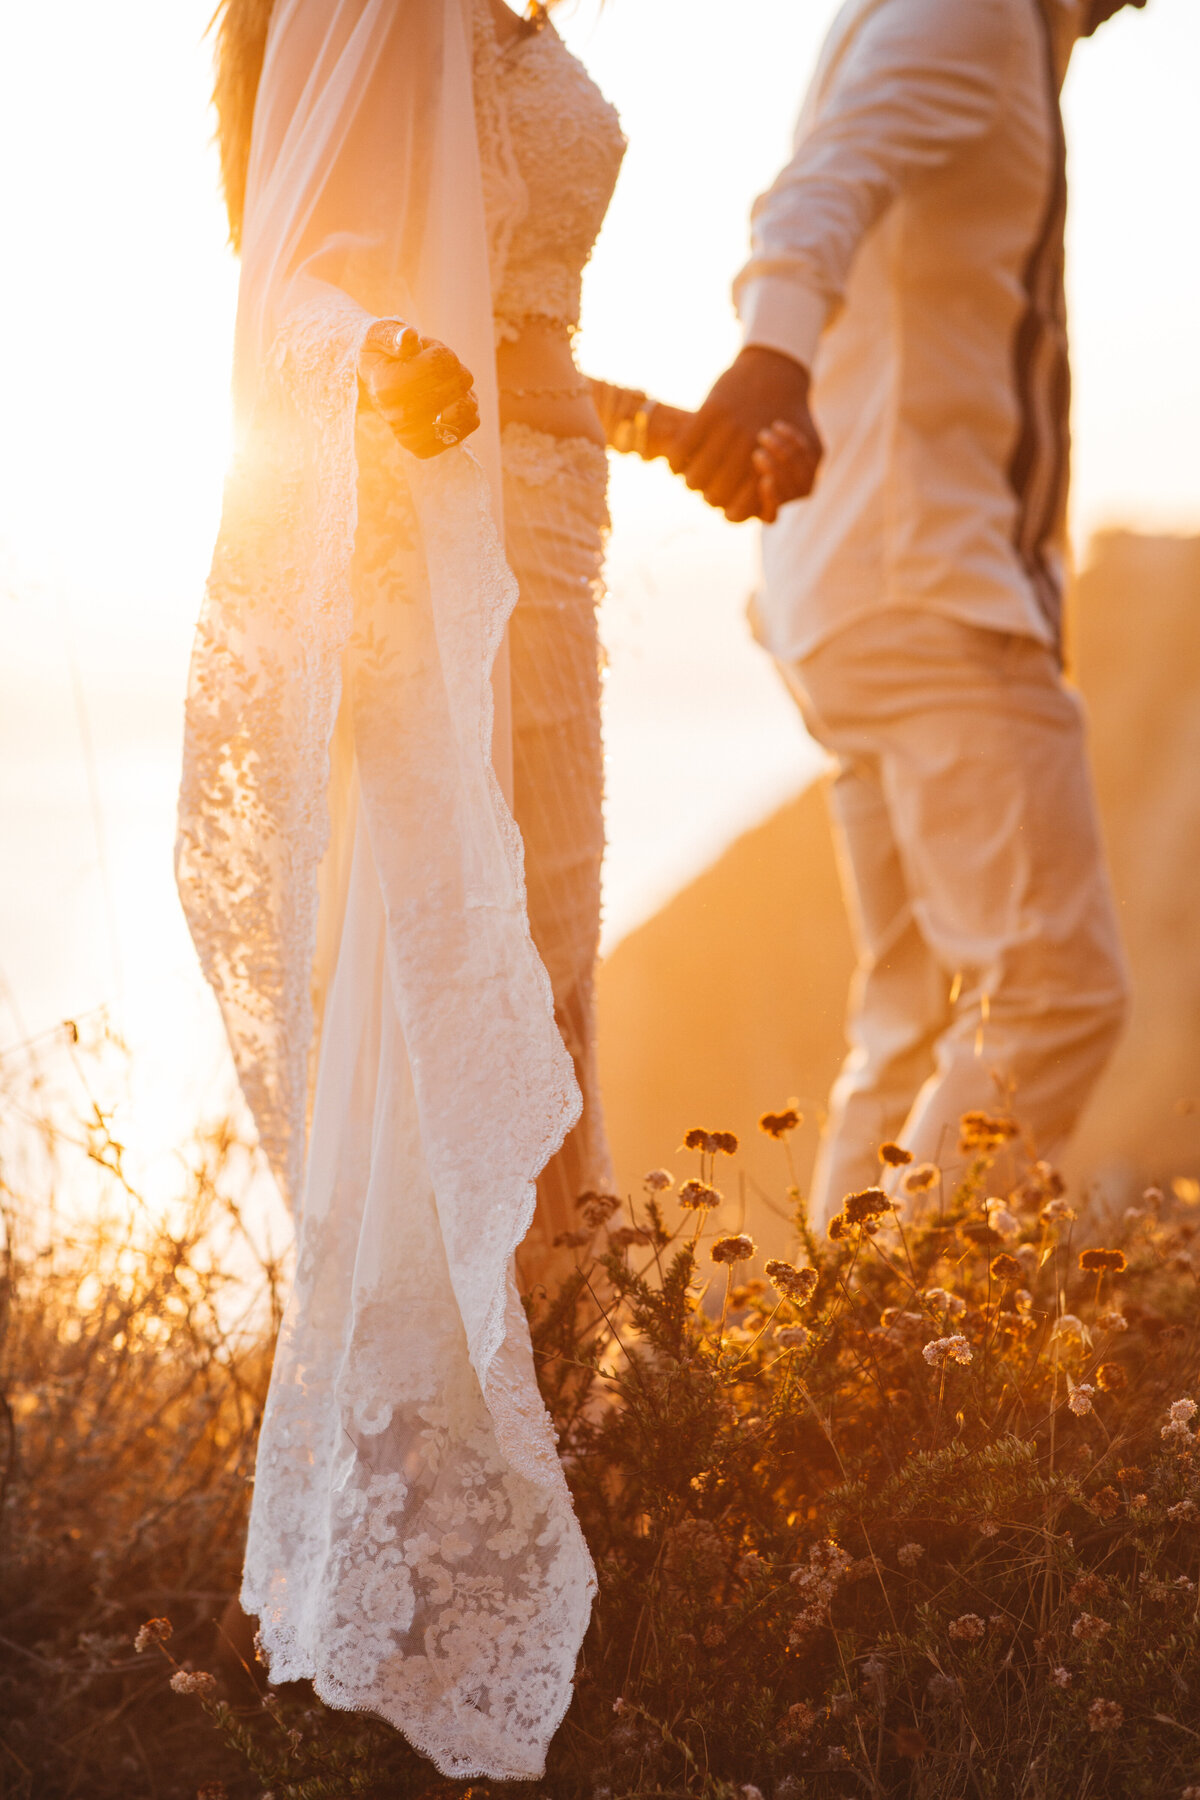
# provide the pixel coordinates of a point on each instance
(1004, 1223)
(619, 1704)
(154, 1631)
(953, 1305)
(1107, 1503)
(839, 1228)
(1112, 1321)
(894, 1156)
(968, 1629)
(1057, 1212)
(572, 1240)
(947, 1349)
(1182, 1411)
(983, 1131)
(1089, 1586)
(778, 1124)
(626, 1235)
(698, 1196)
(1061, 1677)
(910, 1745)
(597, 1209)
(723, 1142)
(793, 1337)
(1105, 1715)
(1006, 1267)
(194, 1681)
(920, 1178)
(1088, 1629)
(1131, 1475)
(733, 1249)
(799, 1721)
(712, 1637)
(1080, 1401)
(658, 1180)
(988, 1528)
(909, 1555)
(695, 1139)
(828, 1565)
(797, 1285)
(1111, 1378)
(871, 1203)
(1102, 1262)
(1183, 1512)
(1138, 1502)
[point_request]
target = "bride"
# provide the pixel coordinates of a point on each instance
(390, 827)
(408, 998)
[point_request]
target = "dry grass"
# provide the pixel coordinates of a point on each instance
(920, 1523)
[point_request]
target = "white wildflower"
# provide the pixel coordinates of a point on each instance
(947, 1349)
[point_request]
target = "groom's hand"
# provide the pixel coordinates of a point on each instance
(715, 455)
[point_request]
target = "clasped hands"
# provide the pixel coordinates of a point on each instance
(750, 448)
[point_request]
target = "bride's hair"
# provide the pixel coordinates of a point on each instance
(240, 30)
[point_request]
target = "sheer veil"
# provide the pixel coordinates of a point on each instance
(413, 1549)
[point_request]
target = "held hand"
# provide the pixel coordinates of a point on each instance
(761, 391)
(419, 386)
(782, 462)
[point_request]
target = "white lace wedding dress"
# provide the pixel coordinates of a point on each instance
(413, 1549)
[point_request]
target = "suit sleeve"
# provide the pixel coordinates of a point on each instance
(917, 81)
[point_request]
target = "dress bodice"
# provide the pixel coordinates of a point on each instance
(551, 149)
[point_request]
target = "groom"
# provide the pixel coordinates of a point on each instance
(907, 268)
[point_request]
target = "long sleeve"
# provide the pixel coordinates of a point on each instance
(908, 85)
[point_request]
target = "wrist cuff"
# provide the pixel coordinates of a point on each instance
(780, 314)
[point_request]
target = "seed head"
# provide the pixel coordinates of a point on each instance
(626, 1235)
(966, 1630)
(1182, 1411)
(1105, 1715)
(872, 1203)
(733, 1249)
(1102, 1262)
(698, 1196)
(894, 1156)
(909, 1555)
(154, 1631)
(1088, 1629)
(1006, 1268)
(1080, 1401)
(597, 1208)
(985, 1131)
(194, 1681)
(797, 1285)
(920, 1178)
(1003, 1222)
(1107, 1503)
(778, 1124)
(1061, 1677)
(658, 1180)
(793, 1337)
(1183, 1512)
(953, 1305)
(1057, 1212)
(1111, 1378)
(839, 1228)
(947, 1349)
(1112, 1321)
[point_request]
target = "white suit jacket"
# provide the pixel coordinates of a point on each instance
(911, 255)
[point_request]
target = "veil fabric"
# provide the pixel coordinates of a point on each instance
(413, 1549)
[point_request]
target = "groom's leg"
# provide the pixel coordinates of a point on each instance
(898, 997)
(983, 763)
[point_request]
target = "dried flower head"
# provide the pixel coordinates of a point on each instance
(1105, 1715)
(1088, 1629)
(1112, 1321)
(695, 1139)
(1102, 1262)
(572, 1240)
(793, 1337)
(1106, 1504)
(968, 1629)
(658, 1180)
(920, 1178)
(1004, 1223)
(953, 1305)
(1089, 1586)
(1057, 1212)
(796, 1285)
(597, 1208)
(154, 1631)
(947, 1349)
(985, 1131)
(1111, 1378)
(1061, 1677)
(894, 1156)
(739, 1248)
(1006, 1268)
(778, 1124)
(698, 1196)
(625, 1236)
(839, 1228)
(799, 1721)
(748, 1791)
(1080, 1400)
(871, 1203)
(1184, 1512)
(1069, 1326)
(909, 1555)
(1182, 1411)
(194, 1681)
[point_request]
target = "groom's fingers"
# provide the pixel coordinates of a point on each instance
(747, 503)
(712, 456)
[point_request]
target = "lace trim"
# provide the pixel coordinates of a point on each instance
(505, 195)
(538, 458)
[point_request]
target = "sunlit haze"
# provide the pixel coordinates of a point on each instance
(115, 319)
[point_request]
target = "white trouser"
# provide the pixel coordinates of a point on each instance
(990, 972)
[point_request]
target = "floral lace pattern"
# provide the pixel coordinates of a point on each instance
(566, 144)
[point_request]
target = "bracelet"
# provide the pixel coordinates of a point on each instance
(631, 435)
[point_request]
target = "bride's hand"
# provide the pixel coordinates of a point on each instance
(782, 461)
(419, 386)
